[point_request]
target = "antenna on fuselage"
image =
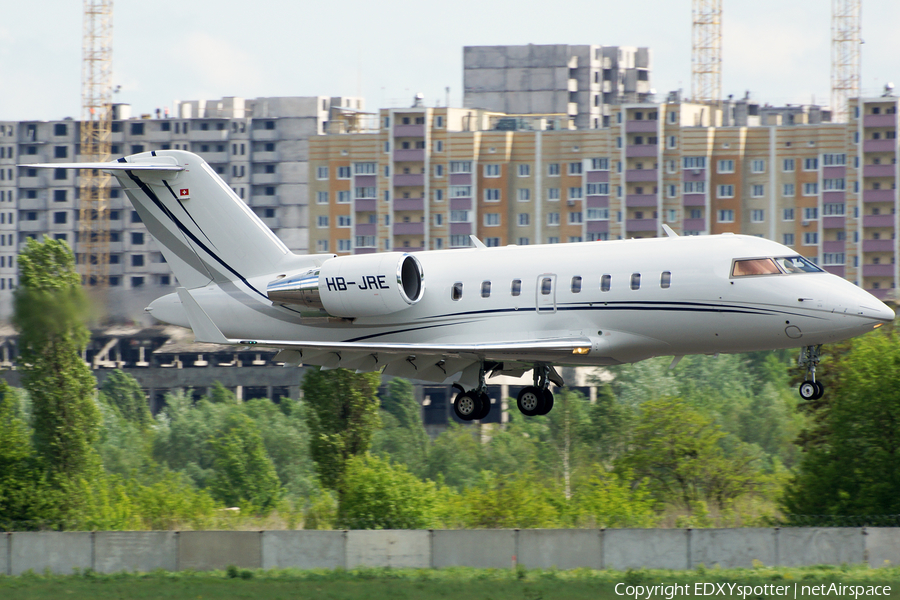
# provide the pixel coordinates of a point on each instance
(476, 242)
(669, 231)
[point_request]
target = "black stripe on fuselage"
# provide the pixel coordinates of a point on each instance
(181, 226)
(408, 329)
(181, 204)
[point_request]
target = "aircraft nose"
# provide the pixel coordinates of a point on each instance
(878, 310)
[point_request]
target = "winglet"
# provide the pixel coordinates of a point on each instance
(669, 231)
(204, 328)
(476, 242)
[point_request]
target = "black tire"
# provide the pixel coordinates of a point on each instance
(530, 401)
(485, 407)
(820, 392)
(548, 402)
(467, 406)
(809, 389)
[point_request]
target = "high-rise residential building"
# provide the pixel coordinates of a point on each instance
(426, 178)
(258, 146)
(579, 81)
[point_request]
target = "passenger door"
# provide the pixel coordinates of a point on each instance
(545, 293)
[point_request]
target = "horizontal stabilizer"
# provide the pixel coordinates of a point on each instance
(204, 328)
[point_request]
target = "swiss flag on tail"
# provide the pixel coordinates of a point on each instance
(185, 192)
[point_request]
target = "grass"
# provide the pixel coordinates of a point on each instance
(494, 584)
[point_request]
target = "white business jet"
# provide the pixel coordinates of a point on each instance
(457, 316)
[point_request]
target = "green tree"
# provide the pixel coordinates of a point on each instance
(567, 423)
(49, 314)
(124, 393)
(341, 409)
(852, 444)
(603, 499)
(677, 450)
(402, 436)
(243, 472)
(378, 495)
(455, 458)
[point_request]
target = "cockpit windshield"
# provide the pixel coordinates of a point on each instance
(783, 265)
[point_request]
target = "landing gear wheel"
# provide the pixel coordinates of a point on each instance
(467, 406)
(485, 407)
(531, 401)
(548, 402)
(811, 390)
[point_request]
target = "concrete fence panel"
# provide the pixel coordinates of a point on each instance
(730, 548)
(142, 551)
(60, 552)
(560, 548)
(211, 550)
(484, 548)
(883, 546)
(799, 546)
(389, 548)
(652, 548)
(4, 554)
(304, 549)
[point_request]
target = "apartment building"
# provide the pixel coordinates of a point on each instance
(426, 178)
(579, 81)
(259, 147)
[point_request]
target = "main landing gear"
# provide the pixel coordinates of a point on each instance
(536, 399)
(809, 358)
(473, 404)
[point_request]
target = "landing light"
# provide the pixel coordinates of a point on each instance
(877, 326)
(581, 350)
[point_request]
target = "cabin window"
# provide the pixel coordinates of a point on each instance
(485, 289)
(456, 291)
(604, 283)
(754, 266)
(516, 287)
(576, 284)
(546, 286)
(635, 281)
(665, 280)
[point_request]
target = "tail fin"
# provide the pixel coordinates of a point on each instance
(207, 233)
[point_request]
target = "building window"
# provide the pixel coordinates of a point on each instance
(321, 197)
(364, 168)
(438, 170)
(788, 190)
(695, 187)
(523, 194)
(673, 142)
(757, 191)
(810, 189)
(758, 166)
(524, 219)
(60, 152)
(322, 221)
(726, 216)
(598, 189)
(58, 195)
(60, 217)
(834, 185)
(344, 221)
(788, 239)
(321, 245)
(599, 164)
(694, 162)
(574, 168)
(810, 238)
(344, 245)
(322, 173)
(553, 170)
(137, 260)
(523, 241)
(553, 194)
(787, 165)
(460, 191)
(524, 170)
(810, 213)
(459, 216)
(60, 129)
(438, 195)
(757, 215)
(366, 192)
(460, 166)
(342, 173)
(835, 209)
(492, 194)
(576, 193)
(491, 219)
(810, 164)
(575, 218)
(492, 170)
(137, 238)
(553, 218)
(788, 214)
(726, 191)
(726, 166)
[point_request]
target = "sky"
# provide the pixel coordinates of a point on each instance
(387, 51)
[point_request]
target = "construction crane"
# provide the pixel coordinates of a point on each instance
(706, 51)
(96, 131)
(845, 55)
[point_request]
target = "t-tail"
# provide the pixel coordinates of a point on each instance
(206, 232)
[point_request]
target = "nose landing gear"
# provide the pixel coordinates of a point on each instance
(809, 358)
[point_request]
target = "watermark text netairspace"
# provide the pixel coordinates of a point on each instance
(795, 590)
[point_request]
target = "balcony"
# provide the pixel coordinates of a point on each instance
(880, 121)
(878, 221)
(265, 178)
(881, 294)
(878, 195)
(835, 270)
(694, 175)
(833, 246)
(409, 204)
(833, 172)
(833, 222)
(460, 229)
(694, 225)
(878, 270)
(598, 176)
(879, 170)
(642, 151)
(411, 179)
(878, 245)
(413, 155)
(460, 204)
(365, 180)
(597, 202)
(460, 179)
(641, 175)
(640, 200)
(880, 146)
(641, 126)
(409, 130)
(598, 226)
(409, 228)
(694, 200)
(366, 229)
(640, 225)
(365, 205)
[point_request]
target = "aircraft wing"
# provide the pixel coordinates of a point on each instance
(428, 362)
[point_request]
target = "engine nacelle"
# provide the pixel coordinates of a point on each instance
(364, 285)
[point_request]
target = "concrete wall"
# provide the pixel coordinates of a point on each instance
(620, 549)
